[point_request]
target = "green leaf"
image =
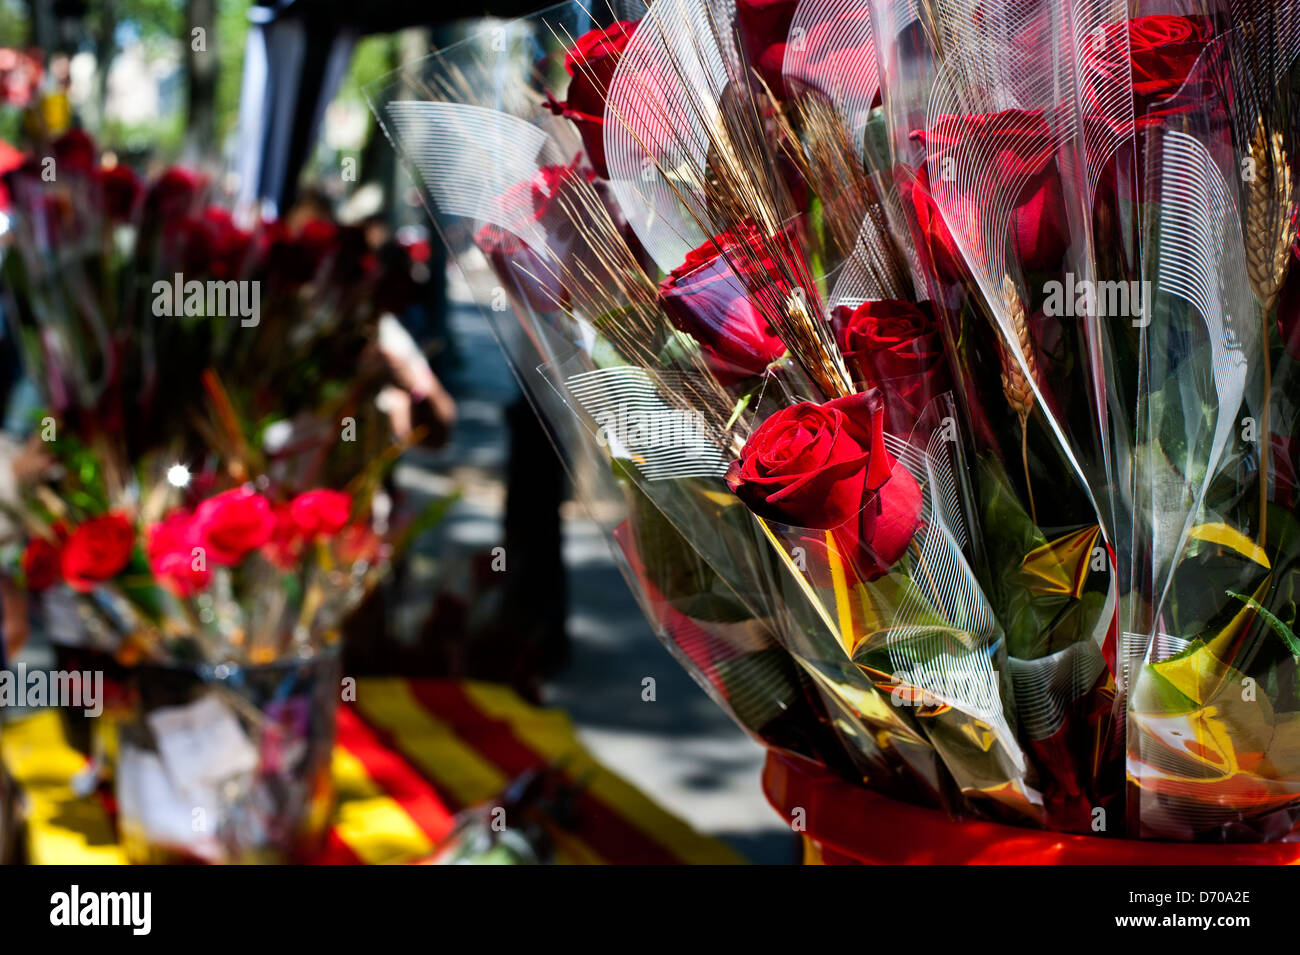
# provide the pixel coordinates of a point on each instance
(1286, 633)
(430, 516)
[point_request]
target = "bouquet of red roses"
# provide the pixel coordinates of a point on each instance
(940, 352)
(123, 291)
(243, 558)
(195, 372)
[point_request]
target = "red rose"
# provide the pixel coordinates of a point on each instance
(827, 57)
(170, 546)
(935, 247)
(173, 195)
(591, 63)
(97, 551)
(1015, 146)
(232, 524)
(764, 27)
(121, 187)
(898, 347)
(42, 560)
(707, 299)
(74, 151)
(321, 513)
(210, 244)
(826, 467)
(353, 260)
(285, 546)
(538, 277)
(297, 258)
(1163, 52)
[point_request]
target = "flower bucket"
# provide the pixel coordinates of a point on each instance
(228, 763)
(846, 824)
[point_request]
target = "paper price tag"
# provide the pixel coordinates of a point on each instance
(150, 803)
(202, 743)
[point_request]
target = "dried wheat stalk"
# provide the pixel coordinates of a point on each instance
(1270, 231)
(1270, 216)
(740, 186)
(1016, 385)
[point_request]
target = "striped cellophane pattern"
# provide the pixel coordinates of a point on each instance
(830, 48)
(637, 425)
(666, 73)
(472, 158)
(991, 70)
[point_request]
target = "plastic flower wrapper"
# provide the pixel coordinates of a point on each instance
(817, 60)
(938, 431)
(1211, 653)
(590, 324)
(999, 164)
(745, 273)
(873, 536)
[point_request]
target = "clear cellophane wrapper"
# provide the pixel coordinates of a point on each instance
(1209, 651)
(1051, 608)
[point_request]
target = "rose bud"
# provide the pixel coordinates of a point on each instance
(705, 298)
(764, 27)
(296, 258)
(229, 245)
(591, 63)
(97, 551)
(320, 513)
(232, 524)
(121, 188)
(898, 347)
(170, 546)
(934, 243)
(825, 467)
(357, 544)
(173, 195)
(1017, 147)
(537, 275)
(74, 151)
(1163, 55)
(284, 549)
(41, 564)
(826, 56)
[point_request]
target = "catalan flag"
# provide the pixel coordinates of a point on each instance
(409, 755)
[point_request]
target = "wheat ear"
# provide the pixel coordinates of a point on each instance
(1270, 216)
(1016, 384)
(1270, 231)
